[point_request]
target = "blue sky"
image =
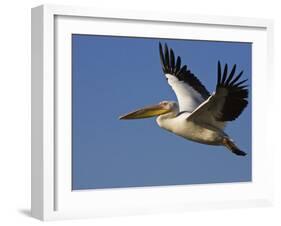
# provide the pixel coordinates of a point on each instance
(114, 75)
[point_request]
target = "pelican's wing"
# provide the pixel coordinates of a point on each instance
(226, 104)
(189, 90)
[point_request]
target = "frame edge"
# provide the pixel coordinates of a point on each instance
(37, 112)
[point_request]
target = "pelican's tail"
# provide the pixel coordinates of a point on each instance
(227, 142)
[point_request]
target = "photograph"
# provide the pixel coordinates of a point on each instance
(160, 112)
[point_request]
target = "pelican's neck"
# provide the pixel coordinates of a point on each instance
(165, 121)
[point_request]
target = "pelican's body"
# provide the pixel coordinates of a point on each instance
(191, 130)
(198, 116)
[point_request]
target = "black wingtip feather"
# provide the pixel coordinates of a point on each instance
(240, 83)
(224, 73)
(161, 56)
(178, 65)
(231, 74)
(167, 60)
(219, 73)
(236, 98)
(237, 78)
(172, 60)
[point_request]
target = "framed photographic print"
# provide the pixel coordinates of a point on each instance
(142, 112)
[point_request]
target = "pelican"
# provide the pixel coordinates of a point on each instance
(198, 115)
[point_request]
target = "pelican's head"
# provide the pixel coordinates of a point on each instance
(163, 108)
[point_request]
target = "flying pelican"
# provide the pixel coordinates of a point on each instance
(198, 116)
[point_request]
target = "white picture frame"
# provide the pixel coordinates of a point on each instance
(52, 197)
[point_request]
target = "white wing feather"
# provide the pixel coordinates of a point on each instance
(207, 111)
(188, 98)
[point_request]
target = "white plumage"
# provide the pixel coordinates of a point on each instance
(188, 98)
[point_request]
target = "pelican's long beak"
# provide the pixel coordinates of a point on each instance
(147, 112)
